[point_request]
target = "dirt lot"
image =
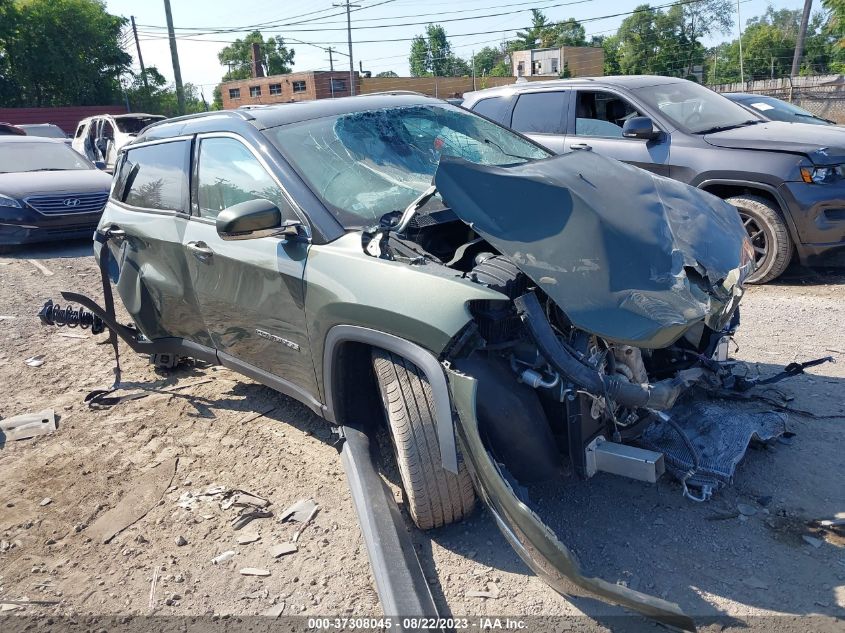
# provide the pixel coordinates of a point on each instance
(719, 565)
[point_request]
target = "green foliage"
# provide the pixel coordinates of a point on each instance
(238, 56)
(545, 34)
(431, 54)
(387, 73)
(160, 98)
(60, 52)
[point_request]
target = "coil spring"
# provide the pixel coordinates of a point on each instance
(55, 314)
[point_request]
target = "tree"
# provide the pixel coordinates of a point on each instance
(431, 54)
(161, 97)
(538, 35)
(487, 59)
(387, 73)
(60, 52)
(238, 56)
(570, 32)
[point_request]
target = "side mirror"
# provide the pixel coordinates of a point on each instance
(100, 164)
(639, 127)
(257, 218)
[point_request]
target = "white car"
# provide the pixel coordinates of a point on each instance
(100, 137)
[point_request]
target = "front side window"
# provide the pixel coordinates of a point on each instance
(229, 174)
(363, 165)
(601, 114)
(491, 108)
(255, 91)
(275, 89)
(695, 108)
(298, 86)
(234, 93)
(155, 176)
(540, 113)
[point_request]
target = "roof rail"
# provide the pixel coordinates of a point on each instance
(242, 114)
(394, 92)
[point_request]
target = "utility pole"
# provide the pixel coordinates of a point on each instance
(140, 58)
(802, 34)
(473, 70)
(174, 57)
(331, 59)
(739, 26)
(348, 6)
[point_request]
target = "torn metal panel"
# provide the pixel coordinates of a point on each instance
(637, 260)
(535, 542)
(26, 425)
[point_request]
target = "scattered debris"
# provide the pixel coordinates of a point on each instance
(153, 588)
(46, 501)
(26, 425)
(6, 317)
(299, 511)
(181, 541)
(222, 558)
(828, 522)
(755, 583)
(256, 414)
(491, 593)
(173, 600)
(254, 571)
(282, 549)
(765, 500)
(35, 361)
(746, 509)
(306, 523)
(143, 494)
(46, 271)
(811, 540)
(723, 516)
(247, 517)
(275, 611)
(246, 539)
(71, 335)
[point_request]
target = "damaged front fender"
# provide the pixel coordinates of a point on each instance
(535, 542)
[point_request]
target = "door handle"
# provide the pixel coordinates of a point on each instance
(200, 250)
(581, 146)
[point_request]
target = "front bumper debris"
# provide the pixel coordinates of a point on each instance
(535, 542)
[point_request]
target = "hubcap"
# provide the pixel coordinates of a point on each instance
(757, 236)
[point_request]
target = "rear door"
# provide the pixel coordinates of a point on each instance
(148, 210)
(542, 116)
(595, 123)
(250, 292)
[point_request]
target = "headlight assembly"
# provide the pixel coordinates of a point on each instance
(6, 201)
(822, 175)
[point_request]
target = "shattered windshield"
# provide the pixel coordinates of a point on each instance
(363, 165)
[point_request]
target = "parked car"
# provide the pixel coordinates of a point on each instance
(48, 192)
(402, 257)
(47, 130)
(7, 129)
(774, 109)
(787, 181)
(100, 137)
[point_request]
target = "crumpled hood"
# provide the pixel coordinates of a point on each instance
(627, 255)
(795, 138)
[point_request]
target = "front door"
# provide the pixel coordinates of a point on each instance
(595, 124)
(250, 292)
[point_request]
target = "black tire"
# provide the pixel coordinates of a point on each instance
(435, 496)
(769, 236)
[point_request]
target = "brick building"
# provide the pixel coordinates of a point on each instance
(579, 61)
(302, 86)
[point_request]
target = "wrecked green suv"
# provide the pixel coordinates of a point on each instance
(515, 315)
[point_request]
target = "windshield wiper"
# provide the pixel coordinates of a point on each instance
(499, 147)
(722, 128)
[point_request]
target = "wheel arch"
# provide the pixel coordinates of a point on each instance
(343, 353)
(724, 189)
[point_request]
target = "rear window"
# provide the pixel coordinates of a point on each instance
(155, 177)
(540, 113)
(133, 125)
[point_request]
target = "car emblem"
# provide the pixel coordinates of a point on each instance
(71, 202)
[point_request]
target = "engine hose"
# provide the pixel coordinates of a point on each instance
(660, 395)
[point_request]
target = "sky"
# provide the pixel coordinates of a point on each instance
(317, 25)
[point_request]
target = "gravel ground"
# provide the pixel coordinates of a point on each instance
(724, 568)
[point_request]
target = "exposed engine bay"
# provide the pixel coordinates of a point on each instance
(602, 327)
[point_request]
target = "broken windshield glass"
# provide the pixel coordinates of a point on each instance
(363, 165)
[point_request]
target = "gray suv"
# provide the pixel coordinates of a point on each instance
(786, 180)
